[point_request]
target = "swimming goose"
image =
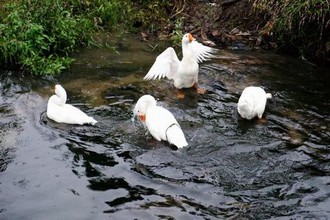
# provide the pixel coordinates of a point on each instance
(252, 102)
(59, 111)
(184, 72)
(159, 121)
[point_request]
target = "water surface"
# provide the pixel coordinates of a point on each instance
(276, 168)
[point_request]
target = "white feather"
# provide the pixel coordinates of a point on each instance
(184, 73)
(252, 102)
(159, 121)
(61, 112)
(165, 65)
(200, 52)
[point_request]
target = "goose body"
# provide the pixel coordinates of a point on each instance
(252, 102)
(184, 73)
(159, 121)
(59, 111)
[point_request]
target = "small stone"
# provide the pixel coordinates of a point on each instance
(327, 46)
(243, 34)
(215, 33)
(234, 31)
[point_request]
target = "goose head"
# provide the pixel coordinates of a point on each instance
(142, 105)
(61, 93)
(187, 38)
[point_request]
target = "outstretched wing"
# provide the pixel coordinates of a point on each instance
(201, 52)
(166, 65)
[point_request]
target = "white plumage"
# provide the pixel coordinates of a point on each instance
(184, 72)
(159, 121)
(59, 111)
(252, 102)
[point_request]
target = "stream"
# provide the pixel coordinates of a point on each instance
(275, 168)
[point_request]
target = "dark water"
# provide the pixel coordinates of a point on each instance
(276, 168)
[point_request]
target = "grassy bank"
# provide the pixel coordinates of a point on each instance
(38, 36)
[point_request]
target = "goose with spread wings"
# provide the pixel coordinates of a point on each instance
(184, 73)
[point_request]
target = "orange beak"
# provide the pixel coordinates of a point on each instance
(142, 117)
(190, 37)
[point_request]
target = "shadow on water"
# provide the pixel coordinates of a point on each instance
(277, 167)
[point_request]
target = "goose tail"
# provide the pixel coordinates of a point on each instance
(175, 136)
(91, 121)
(269, 95)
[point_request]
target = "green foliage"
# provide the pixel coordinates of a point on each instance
(39, 35)
(177, 31)
(104, 13)
(301, 24)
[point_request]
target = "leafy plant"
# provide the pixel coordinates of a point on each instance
(40, 40)
(104, 13)
(38, 36)
(177, 31)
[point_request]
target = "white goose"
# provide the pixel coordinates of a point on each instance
(61, 112)
(184, 72)
(252, 102)
(160, 122)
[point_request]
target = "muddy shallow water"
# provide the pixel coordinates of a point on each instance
(277, 168)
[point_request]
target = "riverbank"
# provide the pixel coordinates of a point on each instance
(247, 24)
(39, 37)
